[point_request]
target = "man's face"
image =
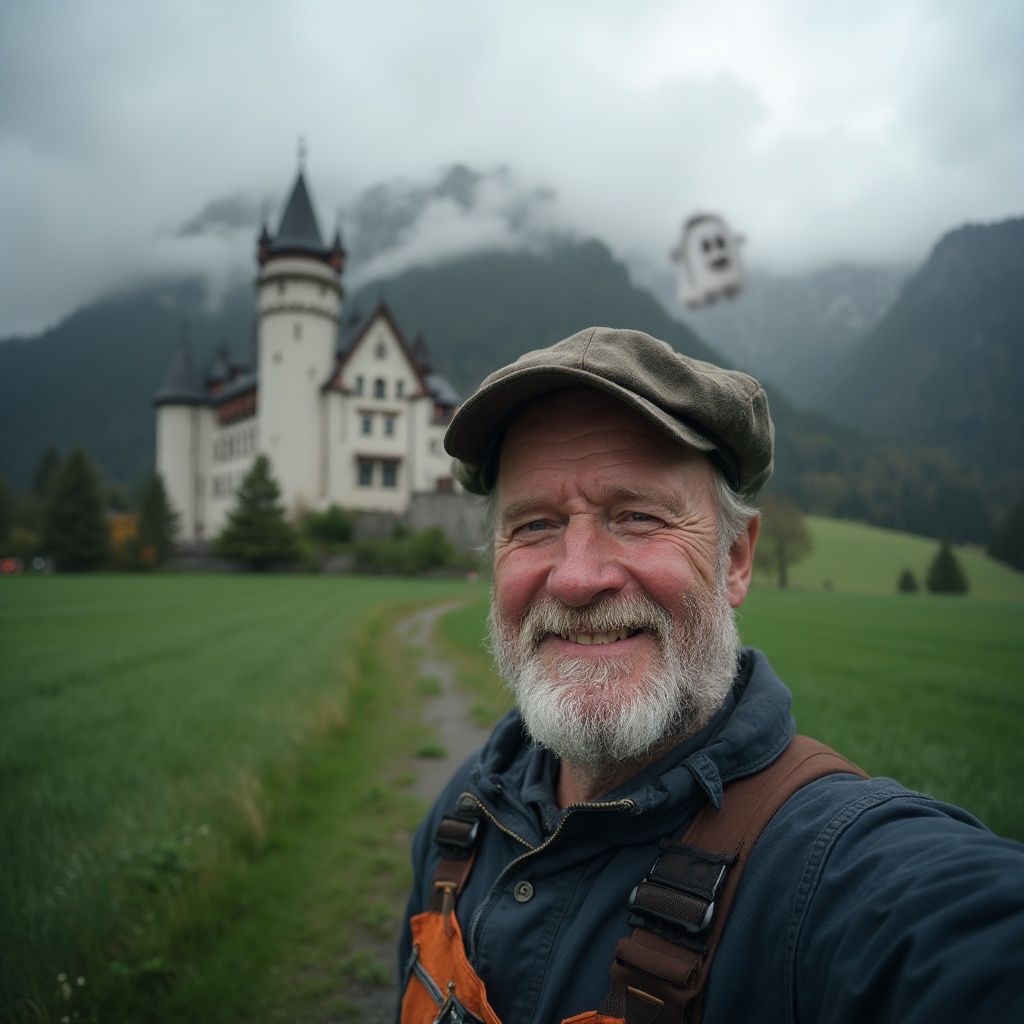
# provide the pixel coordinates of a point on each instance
(611, 618)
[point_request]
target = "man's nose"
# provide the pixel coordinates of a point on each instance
(586, 564)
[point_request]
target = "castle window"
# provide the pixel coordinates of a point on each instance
(399, 389)
(390, 478)
(358, 387)
(379, 388)
(367, 424)
(389, 426)
(365, 472)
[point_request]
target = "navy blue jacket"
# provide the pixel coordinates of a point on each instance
(863, 902)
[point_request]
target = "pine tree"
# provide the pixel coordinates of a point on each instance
(158, 523)
(7, 511)
(75, 531)
(907, 583)
(45, 469)
(944, 574)
(257, 532)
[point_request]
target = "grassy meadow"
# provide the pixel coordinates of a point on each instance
(179, 756)
(205, 801)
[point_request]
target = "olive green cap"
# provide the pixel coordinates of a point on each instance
(721, 412)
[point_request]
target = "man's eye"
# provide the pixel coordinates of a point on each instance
(640, 517)
(535, 526)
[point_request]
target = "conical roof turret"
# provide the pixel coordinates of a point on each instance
(184, 384)
(299, 233)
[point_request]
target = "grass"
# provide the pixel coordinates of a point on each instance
(205, 782)
(181, 755)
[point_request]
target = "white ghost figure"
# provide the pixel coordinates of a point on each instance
(709, 259)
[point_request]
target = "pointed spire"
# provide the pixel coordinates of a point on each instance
(299, 232)
(184, 384)
(298, 225)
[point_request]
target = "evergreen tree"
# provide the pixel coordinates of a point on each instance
(907, 583)
(46, 467)
(257, 532)
(1007, 540)
(75, 531)
(944, 574)
(158, 523)
(784, 539)
(7, 511)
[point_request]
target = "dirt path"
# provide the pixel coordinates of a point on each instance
(448, 713)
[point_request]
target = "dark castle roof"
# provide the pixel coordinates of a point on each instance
(299, 232)
(184, 384)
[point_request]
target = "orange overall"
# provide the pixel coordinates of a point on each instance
(443, 987)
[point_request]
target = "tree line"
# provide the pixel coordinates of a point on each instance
(70, 522)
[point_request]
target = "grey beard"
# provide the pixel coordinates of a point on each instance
(577, 711)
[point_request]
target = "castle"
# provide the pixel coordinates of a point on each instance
(349, 415)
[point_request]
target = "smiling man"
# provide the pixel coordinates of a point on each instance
(619, 476)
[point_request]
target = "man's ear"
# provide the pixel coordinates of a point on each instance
(741, 562)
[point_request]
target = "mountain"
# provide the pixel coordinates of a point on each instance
(482, 311)
(793, 331)
(944, 367)
(92, 379)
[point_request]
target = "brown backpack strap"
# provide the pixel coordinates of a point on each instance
(679, 911)
(457, 836)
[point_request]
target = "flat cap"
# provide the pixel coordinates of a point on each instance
(721, 412)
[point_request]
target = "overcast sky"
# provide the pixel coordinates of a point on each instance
(822, 131)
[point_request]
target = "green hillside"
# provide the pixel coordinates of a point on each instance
(854, 558)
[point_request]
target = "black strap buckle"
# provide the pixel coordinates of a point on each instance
(678, 895)
(457, 835)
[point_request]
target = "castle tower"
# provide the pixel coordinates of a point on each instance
(299, 308)
(184, 420)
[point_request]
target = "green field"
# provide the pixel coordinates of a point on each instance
(205, 781)
(852, 558)
(179, 756)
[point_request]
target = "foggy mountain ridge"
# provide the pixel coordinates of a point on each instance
(91, 379)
